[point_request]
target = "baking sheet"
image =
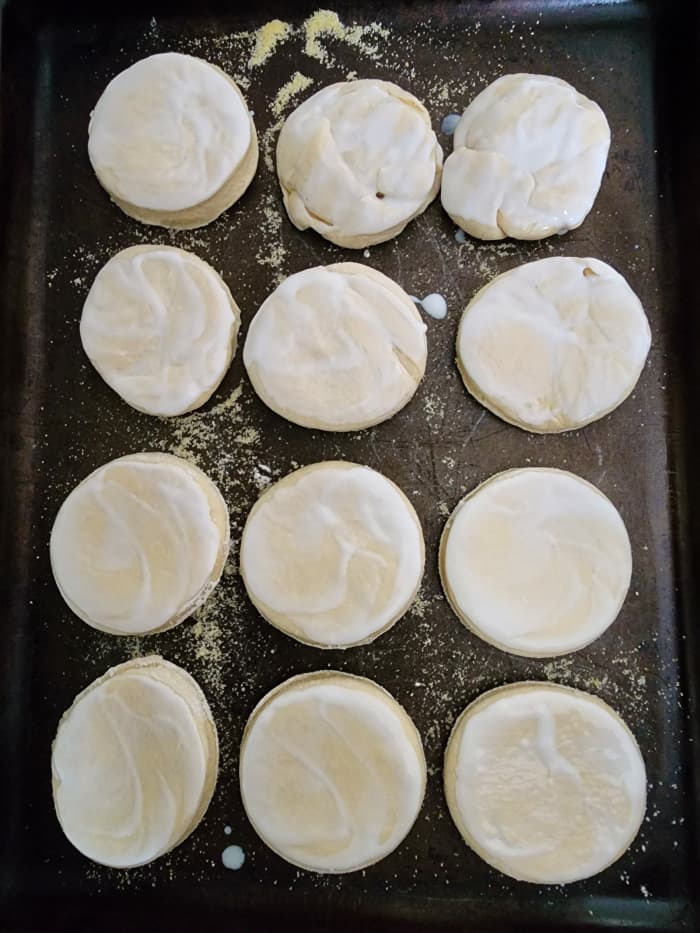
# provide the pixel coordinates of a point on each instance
(60, 421)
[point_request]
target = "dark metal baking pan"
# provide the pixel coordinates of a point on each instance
(60, 421)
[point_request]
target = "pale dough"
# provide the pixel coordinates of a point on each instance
(529, 156)
(553, 345)
(140, 543)
(172, 141)
(332, 554)
(536, 561)
(338, 347)
(357, 161)
(545, 783)
(160, 327)
(134, 763)
(332, 772)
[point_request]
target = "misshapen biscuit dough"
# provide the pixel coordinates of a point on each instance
(529, 155)
(357, 161)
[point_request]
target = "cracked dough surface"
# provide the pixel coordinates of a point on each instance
(553, 345)
(529, 155)
(332, 771)
(140, 543)
(544, 782)
(338, 347)
(134, 763)
(172, 141)
(160, 327)
(357, 161)
(536, 562)
(332, 554)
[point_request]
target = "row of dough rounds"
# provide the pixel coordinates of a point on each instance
(549, 346)
(535, 561)
(545, 783)
(172, 141)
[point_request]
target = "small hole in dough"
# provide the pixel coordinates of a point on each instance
(380, 195)
(588, 272)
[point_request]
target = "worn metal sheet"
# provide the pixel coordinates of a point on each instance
(60, 421)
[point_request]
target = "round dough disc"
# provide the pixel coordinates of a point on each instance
(332, 772)
(545, 783)
(160, 327)
(553, 345)
(338, 347)
(172, 141)
(529, 155)
(134, 763)
(357, 161)
(536, 561)
(332, 554)
(140, 544)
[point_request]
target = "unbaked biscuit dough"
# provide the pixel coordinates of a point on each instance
(332, 772)
(553, 345)
(536, 561)
(134, 763)
(160, 327)
(332, 554)
(545, 783)
(338, 347)
(529, 155)
(140, 543)
(172, 141)
(357, 161)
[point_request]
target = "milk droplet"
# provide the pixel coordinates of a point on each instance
(233, 857)
(449, 123)
(460, 235)
(366, 254)
(227, 830)
(433, 304)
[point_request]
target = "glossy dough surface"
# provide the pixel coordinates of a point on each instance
(332, 772)
(357, 161)
(168, 134)
(160, 327)
(140, 543)
(545, 783)
(553, 345)
(536, 561)
(134, 763)
(338, 347)
(332, 554)
(529, 155)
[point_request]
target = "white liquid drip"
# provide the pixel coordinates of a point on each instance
(433, 305)
(449, 123)
(233, 857)
(460, 236)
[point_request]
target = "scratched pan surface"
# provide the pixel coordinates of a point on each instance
(60, 421)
